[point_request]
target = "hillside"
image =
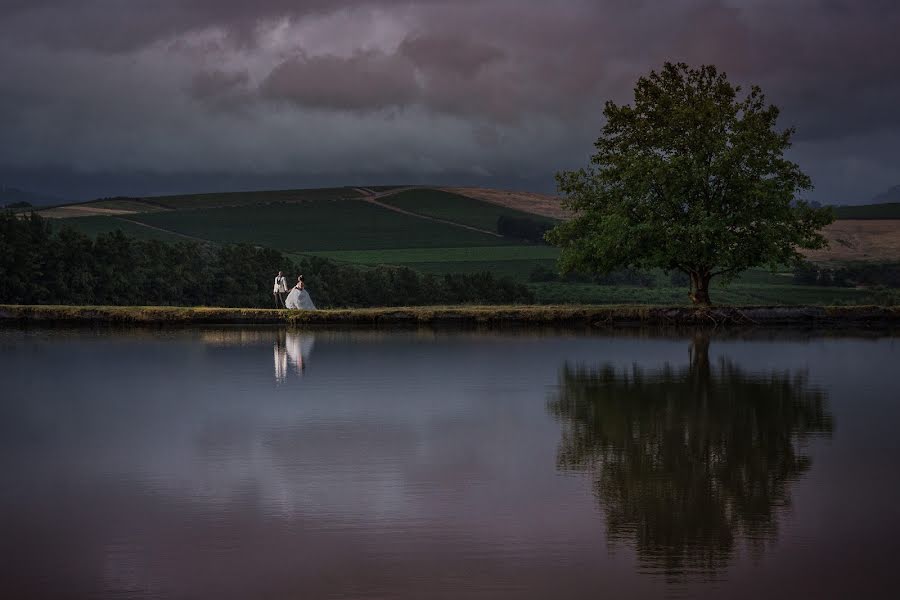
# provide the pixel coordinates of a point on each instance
(876, 240)
(443, 231)
(426, 229)
(529, 202)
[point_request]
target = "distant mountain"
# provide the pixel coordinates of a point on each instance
(892, 195)
(11, 195)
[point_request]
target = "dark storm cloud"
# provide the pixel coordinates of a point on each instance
(459, 55)
(501, 88)
(365, 80)
(125, 25)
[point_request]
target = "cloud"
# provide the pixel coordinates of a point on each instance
(365, 80)
(422, 89)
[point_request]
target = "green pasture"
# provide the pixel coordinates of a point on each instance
(250, 198)
(94, 226)
(454, 254)
(453, 207)
(317, 225)
(334, 223)
(520, 270)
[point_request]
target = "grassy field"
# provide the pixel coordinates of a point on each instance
(338, 224)
(251, 198)
(428, 255)
(456, 208)
(514, 261)
(520, 270)
(317, 225)
(94, 226)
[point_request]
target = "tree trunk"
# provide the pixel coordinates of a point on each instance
(700, 288)
(700, 373)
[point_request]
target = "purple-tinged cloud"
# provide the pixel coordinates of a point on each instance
(423, 89)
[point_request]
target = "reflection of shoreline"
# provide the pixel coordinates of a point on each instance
(687, 462)
(294, 349)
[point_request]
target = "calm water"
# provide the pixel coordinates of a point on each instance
(246, 463)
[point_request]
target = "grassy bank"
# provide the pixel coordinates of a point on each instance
(855, 316)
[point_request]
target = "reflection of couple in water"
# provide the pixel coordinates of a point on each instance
(298, 298)
(293, 348)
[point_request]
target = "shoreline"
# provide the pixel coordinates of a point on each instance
(577, 315)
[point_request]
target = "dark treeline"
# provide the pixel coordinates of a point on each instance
(22, 204)
(40, 264)
(851, 275)
(523, 228)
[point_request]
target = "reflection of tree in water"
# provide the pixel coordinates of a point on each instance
(687, 461)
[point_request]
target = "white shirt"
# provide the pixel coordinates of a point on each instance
(280, 284)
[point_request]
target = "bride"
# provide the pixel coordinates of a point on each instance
(299, 297)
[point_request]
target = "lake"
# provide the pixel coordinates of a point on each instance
(263, 463)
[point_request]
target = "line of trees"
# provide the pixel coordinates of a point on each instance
(14, 205)
(40, 264)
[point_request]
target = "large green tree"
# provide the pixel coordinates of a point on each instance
(692, 177)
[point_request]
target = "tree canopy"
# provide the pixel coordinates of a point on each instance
(691, 177)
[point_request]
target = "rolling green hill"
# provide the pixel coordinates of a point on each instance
(94, 226)
(425, 229)
(453, 207)
(251, 198)
(317, 225)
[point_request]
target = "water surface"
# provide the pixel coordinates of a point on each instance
(248, 463)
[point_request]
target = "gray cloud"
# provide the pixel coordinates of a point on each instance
(365, 80)
(413, 90)
(217, 83)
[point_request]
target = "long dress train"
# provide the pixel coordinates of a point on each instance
(299, 299)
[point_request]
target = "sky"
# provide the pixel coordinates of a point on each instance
(127, 97)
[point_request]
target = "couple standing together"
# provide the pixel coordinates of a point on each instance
(298, 298)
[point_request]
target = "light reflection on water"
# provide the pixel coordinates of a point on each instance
(450, 465)
(292, 348)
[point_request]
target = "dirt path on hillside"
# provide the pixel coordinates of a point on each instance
(372, 197)
(169, 231)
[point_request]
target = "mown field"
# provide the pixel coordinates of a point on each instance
(453, 207)
(342, 224)
(94, 226)
(317, 225)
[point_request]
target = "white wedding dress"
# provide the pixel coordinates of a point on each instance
(299, 299)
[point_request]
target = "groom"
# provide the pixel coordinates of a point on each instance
(279, 290)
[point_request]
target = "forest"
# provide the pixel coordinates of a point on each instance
(45, 264)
